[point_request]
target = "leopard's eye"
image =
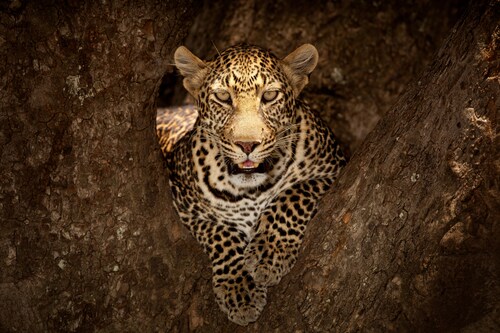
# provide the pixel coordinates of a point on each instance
(270, 95)
(223, 96)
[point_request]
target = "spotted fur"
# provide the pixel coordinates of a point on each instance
(247, 179)
(173, 123)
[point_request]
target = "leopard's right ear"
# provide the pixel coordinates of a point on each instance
(192, 68)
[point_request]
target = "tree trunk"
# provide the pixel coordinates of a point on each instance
(407, 241)
(84, 199)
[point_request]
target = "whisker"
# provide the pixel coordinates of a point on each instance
(215, 47)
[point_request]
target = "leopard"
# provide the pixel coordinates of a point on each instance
(249, 169)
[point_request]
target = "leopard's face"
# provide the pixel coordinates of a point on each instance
(246, 103)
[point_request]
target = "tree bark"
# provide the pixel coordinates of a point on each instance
(407, 241)
(83, 241)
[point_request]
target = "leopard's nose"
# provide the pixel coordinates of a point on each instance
(247, 146)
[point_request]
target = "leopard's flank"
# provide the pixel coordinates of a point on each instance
(247, 178)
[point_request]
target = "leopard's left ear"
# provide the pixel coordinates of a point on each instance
(299, 64)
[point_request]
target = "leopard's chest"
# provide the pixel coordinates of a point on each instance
(243, 213)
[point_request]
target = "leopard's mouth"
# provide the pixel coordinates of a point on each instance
(249, 167)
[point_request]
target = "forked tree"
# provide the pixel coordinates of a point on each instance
(408, 240)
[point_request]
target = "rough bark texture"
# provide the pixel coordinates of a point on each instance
(84, 243)
(408, 240)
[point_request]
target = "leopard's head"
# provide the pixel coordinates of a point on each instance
(246, 99)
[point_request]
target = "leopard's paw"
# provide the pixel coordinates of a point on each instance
(266, 262)
(241, 298)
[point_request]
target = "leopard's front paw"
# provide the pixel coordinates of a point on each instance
(267, 262)
(241, 298)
